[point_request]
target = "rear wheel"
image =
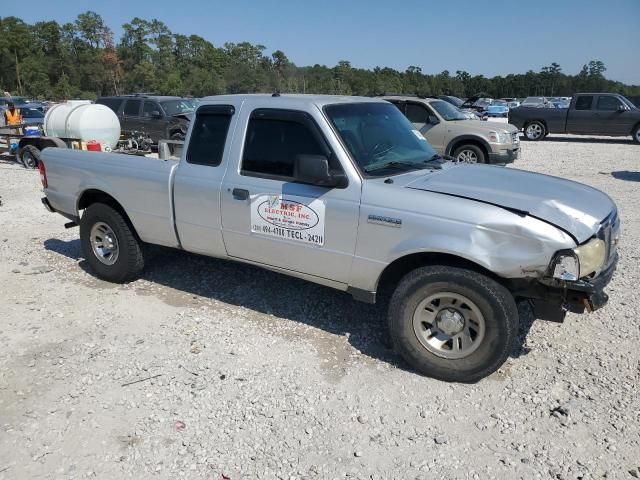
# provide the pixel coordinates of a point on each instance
(535, 131)
(109, 244)
(29, 156)
(469, 154)
(452, 324)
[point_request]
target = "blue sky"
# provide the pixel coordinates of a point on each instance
(489, 37)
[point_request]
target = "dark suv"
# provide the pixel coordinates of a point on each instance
(160, 117)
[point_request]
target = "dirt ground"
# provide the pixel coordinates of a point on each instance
(207, 369)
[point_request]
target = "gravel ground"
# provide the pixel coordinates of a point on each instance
(210, 369)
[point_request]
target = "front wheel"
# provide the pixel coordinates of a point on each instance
(109, 244)
(636, 134)
(535, 131)
(469, 154)
(452, 324)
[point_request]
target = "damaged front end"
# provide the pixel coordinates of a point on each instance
(576, 279)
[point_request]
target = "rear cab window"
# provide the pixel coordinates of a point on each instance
(584, 102)
(209, 135)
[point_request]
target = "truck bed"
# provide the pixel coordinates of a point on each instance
(554, 118)
(141, 185)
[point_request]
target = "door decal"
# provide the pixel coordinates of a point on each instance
(288, 217)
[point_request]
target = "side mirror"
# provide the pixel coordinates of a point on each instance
(433, 120)
(622, 108)
(314, 169)
(156, 114)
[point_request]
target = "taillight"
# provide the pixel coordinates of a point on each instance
(43, 174)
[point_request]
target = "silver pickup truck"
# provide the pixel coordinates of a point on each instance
(345, 192)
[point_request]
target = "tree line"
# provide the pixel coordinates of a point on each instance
(81, 59)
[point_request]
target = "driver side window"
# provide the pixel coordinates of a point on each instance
(417, 113)
(274, 140)
(148, 108)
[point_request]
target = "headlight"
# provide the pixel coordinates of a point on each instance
(592, 256)
(570, 265)
(499, 137)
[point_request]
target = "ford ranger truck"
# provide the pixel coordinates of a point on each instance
(345, 192)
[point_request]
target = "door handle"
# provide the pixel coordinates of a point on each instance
(240, 194)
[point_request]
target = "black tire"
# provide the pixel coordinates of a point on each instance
(179, 136)
(29, 156)
(130, 260)
(470, 151)
(535, 131)
(493, 300)
(636, 134)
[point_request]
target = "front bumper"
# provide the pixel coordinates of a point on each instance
(556, 297)
(504, 156)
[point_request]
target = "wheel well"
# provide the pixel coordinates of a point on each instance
(42, 142)
(470, 141)
(397, 269)
(636, 126)
(536, 120)
(89, 197)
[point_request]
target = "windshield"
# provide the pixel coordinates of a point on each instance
(32, 113)
(379, 138)
(627, 102)
(448, 111)
(499, 103)
(176, 107)
(453, 101)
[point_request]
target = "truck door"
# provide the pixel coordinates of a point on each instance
(198, 179)
(582, 116)
(613, 118)
(269, 217)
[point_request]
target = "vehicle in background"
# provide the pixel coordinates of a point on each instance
(344, 192)
(513, 104)
(588, 114)
(535, 102)
(451, 133)
(32, 116)
(497, 108)
(458, 102)
(158, 117)
(476, 103)
(21, 102)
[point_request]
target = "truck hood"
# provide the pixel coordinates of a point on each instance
(188, 116)
(573, 207)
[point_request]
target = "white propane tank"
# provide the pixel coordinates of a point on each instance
(83, 120)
